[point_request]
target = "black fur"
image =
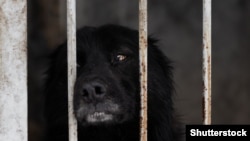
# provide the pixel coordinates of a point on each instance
(107, 93)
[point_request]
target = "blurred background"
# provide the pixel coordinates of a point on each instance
(178, 26)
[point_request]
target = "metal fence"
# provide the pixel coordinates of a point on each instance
(13, 67)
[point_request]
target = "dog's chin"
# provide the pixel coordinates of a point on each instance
(98, 118)
(102, 118)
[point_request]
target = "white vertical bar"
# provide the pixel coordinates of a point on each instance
(71, 36)
(207, 60)
(13, 70)
(143, 43)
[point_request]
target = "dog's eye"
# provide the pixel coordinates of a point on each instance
(120, 57)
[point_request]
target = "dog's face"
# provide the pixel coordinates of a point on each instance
(107, 85)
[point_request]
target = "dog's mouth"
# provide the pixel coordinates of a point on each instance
(101, 113)
(99, 117)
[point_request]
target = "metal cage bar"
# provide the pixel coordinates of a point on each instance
(13, 71)
(143, 51)
(71, 42)
(207, 22)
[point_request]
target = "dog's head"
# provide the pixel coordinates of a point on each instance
(107, 88)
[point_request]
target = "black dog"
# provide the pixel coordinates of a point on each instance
(107, 91)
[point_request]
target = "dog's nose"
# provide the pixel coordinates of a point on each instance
(93, 90)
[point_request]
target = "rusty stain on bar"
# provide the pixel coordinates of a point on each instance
(207, 61)
(71, 41)
(143, 67)
(13, 71)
